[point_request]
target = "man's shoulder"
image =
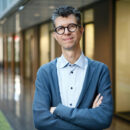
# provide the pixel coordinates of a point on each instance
(96, 64)
(48, 66)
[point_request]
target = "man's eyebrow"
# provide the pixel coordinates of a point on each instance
(65, 26)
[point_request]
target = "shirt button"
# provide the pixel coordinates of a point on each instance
(71, 88)
(71, 72)
(70, 104)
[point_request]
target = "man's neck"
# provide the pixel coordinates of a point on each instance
(72, 55)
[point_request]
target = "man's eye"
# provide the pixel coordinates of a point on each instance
(60, 28)
(72, 26)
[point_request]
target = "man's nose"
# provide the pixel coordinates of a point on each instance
(66, 31)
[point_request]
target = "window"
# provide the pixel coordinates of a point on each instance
(89, 33)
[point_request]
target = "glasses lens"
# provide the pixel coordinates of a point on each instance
(60, 30)
(72, 27)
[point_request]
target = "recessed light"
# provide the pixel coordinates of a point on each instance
(21, 7)
(51, 7)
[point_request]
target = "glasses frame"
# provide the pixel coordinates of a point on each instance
(67, 28)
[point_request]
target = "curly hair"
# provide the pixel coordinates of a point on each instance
(65, 11)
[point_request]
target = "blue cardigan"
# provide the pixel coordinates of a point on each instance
(83, 117)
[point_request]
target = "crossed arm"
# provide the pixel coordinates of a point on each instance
(96, 103)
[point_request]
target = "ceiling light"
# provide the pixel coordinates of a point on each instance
(21, 7)
(51, 7)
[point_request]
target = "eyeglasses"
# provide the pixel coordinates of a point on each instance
(71, 28)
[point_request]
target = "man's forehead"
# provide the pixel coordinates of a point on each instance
(60, 21)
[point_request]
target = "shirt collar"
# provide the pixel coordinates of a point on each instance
(81, 62)
(62, 62)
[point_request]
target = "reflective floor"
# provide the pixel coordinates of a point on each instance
(16, 101)
(16, 96)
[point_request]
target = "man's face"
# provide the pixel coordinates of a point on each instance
(68, 40)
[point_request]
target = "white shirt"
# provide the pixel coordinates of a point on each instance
(71, 79)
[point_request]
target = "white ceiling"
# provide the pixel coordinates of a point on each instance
(37, 11)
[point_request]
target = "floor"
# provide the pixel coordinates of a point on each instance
(16, 96)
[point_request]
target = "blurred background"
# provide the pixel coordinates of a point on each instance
(26, 43)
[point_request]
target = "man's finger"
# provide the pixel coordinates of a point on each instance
(99, 101)
(97, 98)
(95, 101)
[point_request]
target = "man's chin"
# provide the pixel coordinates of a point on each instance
(68, 48)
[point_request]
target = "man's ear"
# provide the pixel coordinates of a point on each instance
(81, 29)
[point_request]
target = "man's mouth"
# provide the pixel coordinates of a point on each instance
(68, 39)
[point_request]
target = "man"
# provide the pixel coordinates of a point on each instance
(72, 92)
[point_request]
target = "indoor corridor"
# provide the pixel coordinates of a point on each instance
(27, 42)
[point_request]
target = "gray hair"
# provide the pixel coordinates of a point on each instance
(65, 11)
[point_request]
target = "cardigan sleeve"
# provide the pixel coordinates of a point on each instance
(99, 117)
(43, 119)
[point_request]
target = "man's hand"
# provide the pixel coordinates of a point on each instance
(97, 101)
(52, 109)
